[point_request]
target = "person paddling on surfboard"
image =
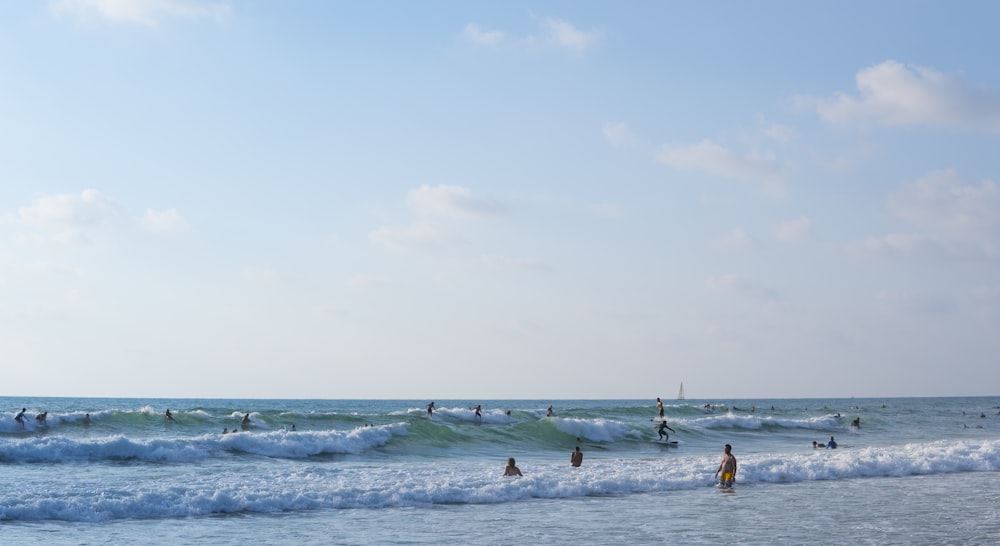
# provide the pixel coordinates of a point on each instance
(727, 467)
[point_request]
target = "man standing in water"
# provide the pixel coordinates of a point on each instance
(659, 406)
(576, 457)
(727, 467)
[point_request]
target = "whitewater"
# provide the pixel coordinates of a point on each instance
(98, 471)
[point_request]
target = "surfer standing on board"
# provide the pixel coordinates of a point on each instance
(659, 406)
(430, 409)
(660, 429)
(727, 467)
(20, 416)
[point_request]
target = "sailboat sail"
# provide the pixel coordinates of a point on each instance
(680, 395)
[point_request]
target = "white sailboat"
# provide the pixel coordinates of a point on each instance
(680, 395)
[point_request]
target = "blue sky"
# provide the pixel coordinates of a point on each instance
(499, 200)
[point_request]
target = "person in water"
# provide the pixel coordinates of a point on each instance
(856, 423)
(576, 457)
(20, 416)
(246, 419)
(430, 409)
(168, 415)
(661, 430)
(86, 419)
(479, 411)
(727, 467)
(549, 412)
(41, 417)
(659, 406)
(511, 469)
(832, 444)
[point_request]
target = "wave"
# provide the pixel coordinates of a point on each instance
(281, 444)
(279, 488)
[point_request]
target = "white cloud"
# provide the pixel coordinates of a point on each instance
(735, 239)
(709, 157)
(567, 36)
(942, 206)
(166, 221)
(732, 284)
(553, 32)
(66, 218)
(417, 234)
(892, 93)
(800, 229)
(775, 131)
(140, 12)
(451, 201)
(476, 35)
(949, 220)
(618, 133)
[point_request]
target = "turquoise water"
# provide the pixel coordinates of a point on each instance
(382, 472)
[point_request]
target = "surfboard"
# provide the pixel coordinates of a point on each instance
(671, 443)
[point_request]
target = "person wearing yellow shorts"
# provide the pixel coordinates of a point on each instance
(727, 467)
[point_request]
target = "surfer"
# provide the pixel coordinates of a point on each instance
(659, 406)
(246, 419)
(832, 444)
(479, 411)
(576, 457)
(663, 434)
(41, 417)
(168, 415)
(549, 412)
(430, 409)
(20, 416)
(856, 423)
(727, 467)
(511, 469)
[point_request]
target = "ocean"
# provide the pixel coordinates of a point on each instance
(916, 471)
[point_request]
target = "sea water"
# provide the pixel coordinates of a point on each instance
(916, 471)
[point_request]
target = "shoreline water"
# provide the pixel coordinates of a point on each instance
(358, 467)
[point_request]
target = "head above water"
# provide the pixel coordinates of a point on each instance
(728, 448)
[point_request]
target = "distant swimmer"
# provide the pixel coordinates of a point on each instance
(479, 411)
(659, 406)
(246, 419)
(430, 409)
(86, 419)
(293, 427)
(549, 412)
(168, 415)
(511, 469)
(41, 417)
(856, 423)
(20, 416)
(225, 430)
(832, 444)
(817, 445)
(576, 457)
(727, 467)
(982, 415)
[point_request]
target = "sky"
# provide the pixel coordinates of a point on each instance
(499, 200)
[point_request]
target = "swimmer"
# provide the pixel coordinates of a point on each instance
(86, 419)
(168, 415)
(41, 417)
(511, 469)
(576, 457)
(832, 444)
(727, 467)
(246, 419)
